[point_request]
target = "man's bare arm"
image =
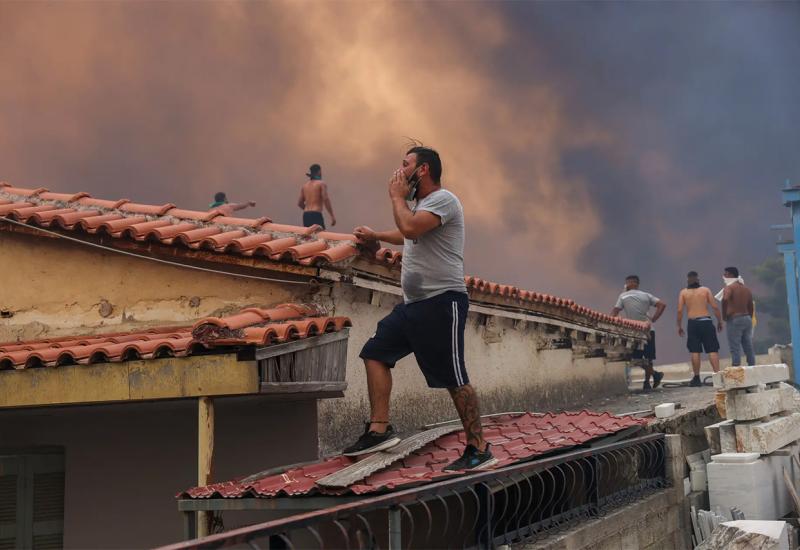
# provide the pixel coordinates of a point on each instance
(681, 305)
(660, 307)
(327, 202)
(413, 224)
(713, 303)
(366, 234)
(616, 311)
(302, 200)
(392, 237)
(242, 205)
(725, 295)
(230, 208)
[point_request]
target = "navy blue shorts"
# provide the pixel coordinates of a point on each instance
(312, 217)
(649, 351)
(701, 335)
(433, 330)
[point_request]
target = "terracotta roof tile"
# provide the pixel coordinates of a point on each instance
(514, 438)
(249, 327)
(220, 234)
(525, 298)
(211, 230)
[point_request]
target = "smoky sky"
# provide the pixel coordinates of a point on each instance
(587, 140)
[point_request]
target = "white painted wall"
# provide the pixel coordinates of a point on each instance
(505, 367)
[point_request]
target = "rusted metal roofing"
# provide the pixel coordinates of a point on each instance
(514, 438)
(250, 327)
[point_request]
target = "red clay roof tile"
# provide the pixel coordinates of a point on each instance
(259, 237)
(173, 341)
(522, 297)
(514, 438)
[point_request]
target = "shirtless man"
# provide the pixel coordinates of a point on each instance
(313, 196)
(227, 208)
(700, 328)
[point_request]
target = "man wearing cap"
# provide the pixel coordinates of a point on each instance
(313, 196)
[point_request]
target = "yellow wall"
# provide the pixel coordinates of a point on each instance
(57, 287)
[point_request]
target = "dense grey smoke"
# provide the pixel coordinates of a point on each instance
(587, 140)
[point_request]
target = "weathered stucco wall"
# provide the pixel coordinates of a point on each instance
(502, 361)
(124, 464)
(52, 287)
(58, 287)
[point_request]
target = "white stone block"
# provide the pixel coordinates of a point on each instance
(713, 436)
(665, 410)
(743, 377)
(699, 480)
(765, 437)
(752, 404)
(755, 487)
(727, 438)
(735, 458)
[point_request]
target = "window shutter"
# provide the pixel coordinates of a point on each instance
(32, 501)
(11, 485)
(47, 472)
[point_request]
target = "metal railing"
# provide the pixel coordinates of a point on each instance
(526, 501)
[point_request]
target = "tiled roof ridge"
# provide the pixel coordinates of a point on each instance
(253, 327)
(210, 230)
(214, 231)
(526, 296)
(514, 438)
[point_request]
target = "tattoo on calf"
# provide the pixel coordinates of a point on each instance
(466, 402)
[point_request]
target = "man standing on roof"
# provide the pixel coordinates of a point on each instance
(431, 320)
(313, 196)
(221, 203)
(700, 328)
(738, 310)
(636, 304)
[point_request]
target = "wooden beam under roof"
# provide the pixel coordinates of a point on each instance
(309, 368)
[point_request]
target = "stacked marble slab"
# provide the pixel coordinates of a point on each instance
(753, 447)
(758, 410)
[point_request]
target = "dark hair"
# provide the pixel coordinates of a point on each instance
(733, 271)
(632, 278)
(692, 274)
(220, 197)
(314, 170)
(426, 155)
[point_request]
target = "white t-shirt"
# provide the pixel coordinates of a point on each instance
(434, 263)
(636, 304)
